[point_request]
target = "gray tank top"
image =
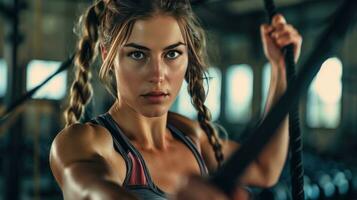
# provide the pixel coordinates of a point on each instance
(138, 180)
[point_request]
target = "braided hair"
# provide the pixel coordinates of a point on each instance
(81, 89)
(108, 24)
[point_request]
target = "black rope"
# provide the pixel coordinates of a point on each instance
(295, 140)
(15, 104)
(227, 177)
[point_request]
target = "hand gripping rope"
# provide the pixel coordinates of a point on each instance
(296, 166)
(227, 177)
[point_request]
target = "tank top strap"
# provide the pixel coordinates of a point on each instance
(190, 144)
(119, 143)
(136, 179)
(139, 174)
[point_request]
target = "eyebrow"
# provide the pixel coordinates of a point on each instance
(137, 46)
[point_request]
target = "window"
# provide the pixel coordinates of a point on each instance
(324, 96)
(239, 93)
(213, 101)
(184, 105)
(3, 77)
(38, 71)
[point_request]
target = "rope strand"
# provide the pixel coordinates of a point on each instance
(296, 167)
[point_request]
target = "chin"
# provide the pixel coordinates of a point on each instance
(158, 112)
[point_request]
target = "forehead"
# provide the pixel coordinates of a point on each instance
(156, 32)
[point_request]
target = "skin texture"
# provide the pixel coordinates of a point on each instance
(83, 159)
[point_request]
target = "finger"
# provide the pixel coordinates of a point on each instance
(286, 30)
(192, 190)
(278, 19)
(295, 40)
(266, 29)
(188, 194)
(287, 38)
(242, 193)
(211, 192)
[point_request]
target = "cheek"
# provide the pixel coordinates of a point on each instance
(178, 73)
(128, 80)
(179, 66)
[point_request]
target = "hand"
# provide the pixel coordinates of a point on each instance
(276, 36)
(196, 188)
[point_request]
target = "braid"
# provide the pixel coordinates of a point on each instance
(195, 75)
(198, 96)
(81, 89)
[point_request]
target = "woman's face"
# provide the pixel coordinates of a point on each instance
(151, 66)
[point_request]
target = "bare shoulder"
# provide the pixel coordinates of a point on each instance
(186, 125)
(193, 129)
(78, 142)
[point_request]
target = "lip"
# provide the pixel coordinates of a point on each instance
(155, 93)
(155, 97)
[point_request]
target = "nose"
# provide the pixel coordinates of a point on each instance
(157, 70)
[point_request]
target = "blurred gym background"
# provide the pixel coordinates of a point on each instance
(36, 36)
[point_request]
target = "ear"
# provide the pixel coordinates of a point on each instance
(103, 52)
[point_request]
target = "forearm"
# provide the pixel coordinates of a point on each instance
(108, 190)
(277, 86)
(96, 190)
(273, 157)
(92, 181)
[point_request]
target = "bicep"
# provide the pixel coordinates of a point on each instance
(75, 157)
(83, 176)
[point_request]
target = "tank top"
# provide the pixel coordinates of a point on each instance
(138, 180)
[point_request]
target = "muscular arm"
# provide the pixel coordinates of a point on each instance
(78, 160)
(266, 169)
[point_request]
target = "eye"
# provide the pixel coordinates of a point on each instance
(136, 55)
(173, 54)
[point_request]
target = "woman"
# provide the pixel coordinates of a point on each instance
(138, 149)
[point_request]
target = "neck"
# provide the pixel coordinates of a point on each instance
(146, 132)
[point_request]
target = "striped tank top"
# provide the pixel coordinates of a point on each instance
(138, 180)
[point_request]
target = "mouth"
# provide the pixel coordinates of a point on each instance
(156, 97)
(155, 93)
